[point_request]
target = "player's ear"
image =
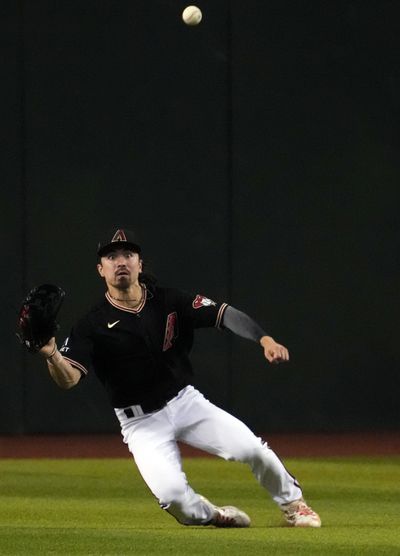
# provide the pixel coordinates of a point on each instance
(140, 265)
(100, 270)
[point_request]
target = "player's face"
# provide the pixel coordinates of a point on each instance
(120, 268)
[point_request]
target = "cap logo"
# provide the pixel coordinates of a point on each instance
(119, 236)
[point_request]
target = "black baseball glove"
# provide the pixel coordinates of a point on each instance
(37, 317)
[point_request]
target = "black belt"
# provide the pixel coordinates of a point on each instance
(142, 409)
(153, 405)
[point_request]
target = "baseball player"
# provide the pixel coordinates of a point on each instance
(137, 340)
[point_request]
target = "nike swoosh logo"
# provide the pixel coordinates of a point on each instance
(110, 325)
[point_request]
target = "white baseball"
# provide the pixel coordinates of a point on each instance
(192, 15)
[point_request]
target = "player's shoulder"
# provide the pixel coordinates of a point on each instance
(169, 296)
(185, 300)
(95, 311)
(171, 293)
(182, 294)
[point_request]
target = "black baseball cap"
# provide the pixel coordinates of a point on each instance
(118, 239)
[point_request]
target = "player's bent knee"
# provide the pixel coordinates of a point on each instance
(255, 453)
(248, 453)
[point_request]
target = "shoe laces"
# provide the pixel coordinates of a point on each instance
(224, 519)
(303, 509)
(299, 508)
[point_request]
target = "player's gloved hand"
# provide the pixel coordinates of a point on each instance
(36, 323)
(274, 352)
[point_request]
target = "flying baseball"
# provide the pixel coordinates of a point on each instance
(192, 15)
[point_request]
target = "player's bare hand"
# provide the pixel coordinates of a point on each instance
(274, 352)
(48, 349)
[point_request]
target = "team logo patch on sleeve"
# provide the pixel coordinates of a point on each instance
(201, 301)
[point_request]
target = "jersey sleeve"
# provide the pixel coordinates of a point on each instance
(202, 311)
(78, 346)
(241, 324)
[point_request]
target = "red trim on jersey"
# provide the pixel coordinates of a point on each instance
(137, 309)
(220, 315)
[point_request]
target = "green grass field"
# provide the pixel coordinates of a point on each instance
(101, 507)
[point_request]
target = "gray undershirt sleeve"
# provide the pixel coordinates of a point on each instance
(241, 324)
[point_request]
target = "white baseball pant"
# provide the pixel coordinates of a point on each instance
(192, 419)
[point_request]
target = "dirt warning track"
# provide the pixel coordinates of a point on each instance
(286, 445)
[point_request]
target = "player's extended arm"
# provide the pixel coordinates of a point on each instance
(241, 324)
(62, 372)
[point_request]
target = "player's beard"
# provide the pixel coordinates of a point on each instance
(124, 278)
(123, 282)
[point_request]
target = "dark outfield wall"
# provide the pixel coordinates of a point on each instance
(256, 155)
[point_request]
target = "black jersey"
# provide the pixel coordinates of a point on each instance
(141, 355)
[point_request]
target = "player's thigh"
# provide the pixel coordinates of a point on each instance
(218, 432)
(153, 446)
